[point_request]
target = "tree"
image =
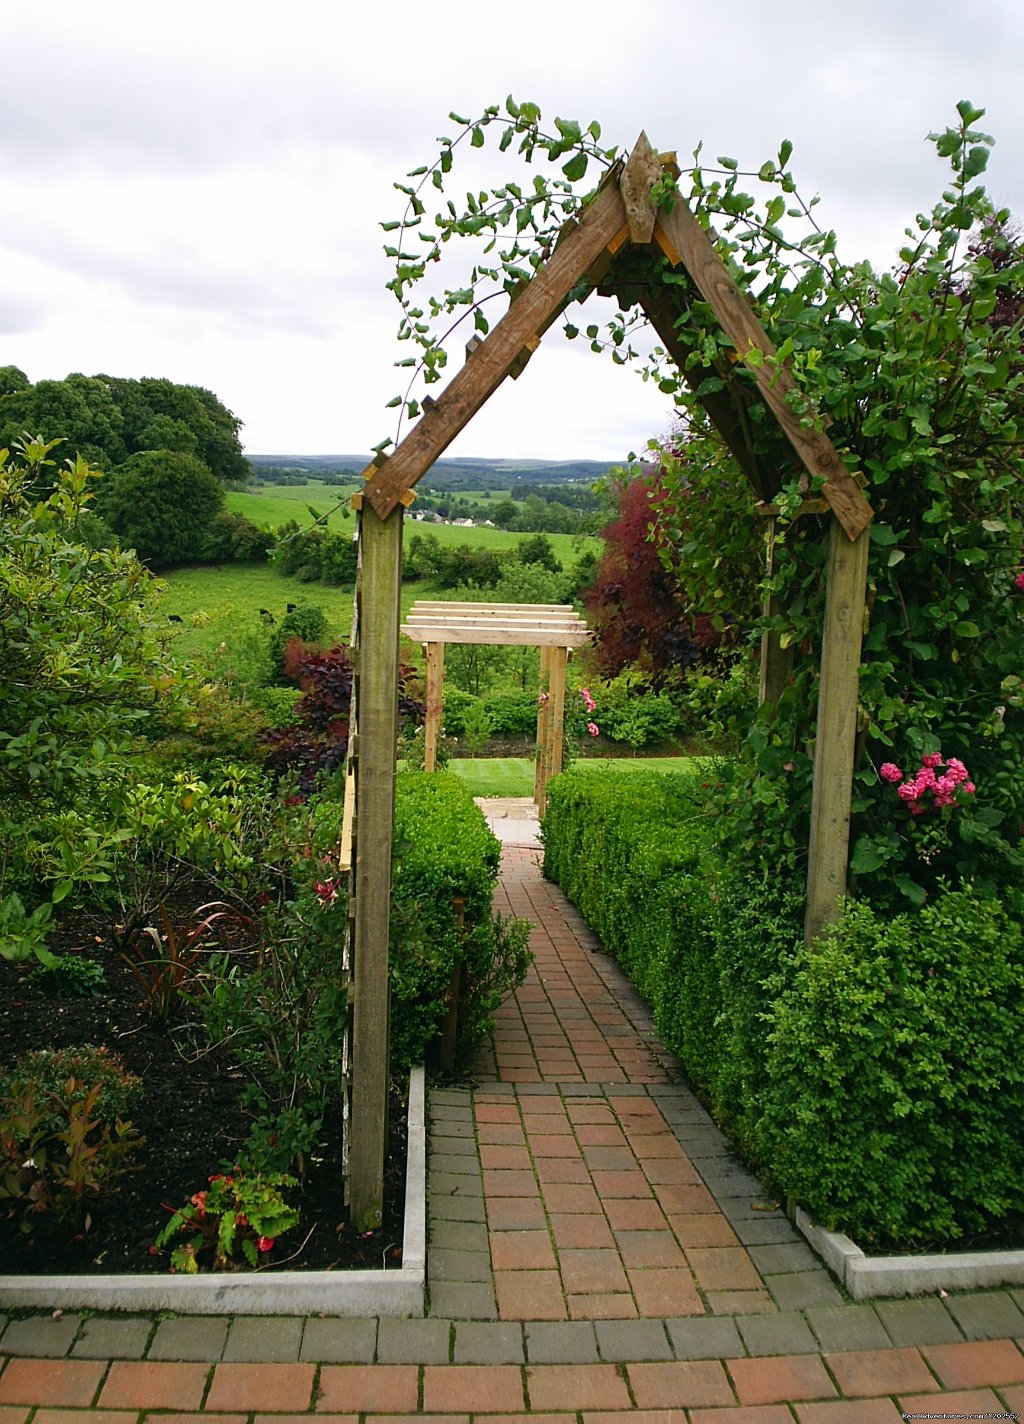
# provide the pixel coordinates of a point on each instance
(81, 663)
(638, 604)
(161, 503)
(537, 550)
(80, 407)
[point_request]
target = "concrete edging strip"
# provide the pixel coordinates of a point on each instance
(337, 1293)
(874, 1277)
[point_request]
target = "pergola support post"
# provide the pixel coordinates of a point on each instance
(549, 760)
(378, 616)
(544, 725)
(434, 702)
(836, 732)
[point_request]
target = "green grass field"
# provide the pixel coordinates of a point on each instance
(274, 505)
(513, 776)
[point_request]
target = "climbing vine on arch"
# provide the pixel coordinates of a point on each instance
(916, 373)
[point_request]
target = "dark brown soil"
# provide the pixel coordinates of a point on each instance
(193, 1122)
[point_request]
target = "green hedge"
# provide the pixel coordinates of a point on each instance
(445, 853)
(875, 1078)
(895, 1073)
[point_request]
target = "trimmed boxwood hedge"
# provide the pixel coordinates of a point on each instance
(876, 1077)
(445, 868)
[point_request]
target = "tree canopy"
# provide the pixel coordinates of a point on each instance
(106, 419)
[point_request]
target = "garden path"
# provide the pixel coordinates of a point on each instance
(596, 1255)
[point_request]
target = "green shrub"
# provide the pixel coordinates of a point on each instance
(896, 1081)
(70, 977)
(63, 1139)
(446, 866)
(48, 1069)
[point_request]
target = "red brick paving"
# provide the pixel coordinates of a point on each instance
(594, 1213)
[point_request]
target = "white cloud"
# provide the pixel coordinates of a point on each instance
(196, 191)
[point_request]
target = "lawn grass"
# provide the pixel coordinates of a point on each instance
(273, 505)
(513, 776)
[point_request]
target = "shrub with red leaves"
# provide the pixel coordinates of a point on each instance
(316, 744)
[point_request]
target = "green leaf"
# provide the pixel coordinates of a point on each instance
(576, 167)
(966, 629)
(729, 163)
(477, 138)
(61, 891)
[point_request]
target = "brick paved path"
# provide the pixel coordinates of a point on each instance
(596, 1255)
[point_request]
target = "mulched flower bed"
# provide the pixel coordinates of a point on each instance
(194, 1124)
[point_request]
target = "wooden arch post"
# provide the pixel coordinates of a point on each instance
(619, 217)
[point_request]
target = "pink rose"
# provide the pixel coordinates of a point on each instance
(932, 759)
(593, 728)
(890, 772)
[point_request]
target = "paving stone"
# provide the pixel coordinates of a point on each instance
(460, 1208)
(847, 1327)
(446, 1146)
(704, 1339)
(918, 1322)
(263, 1339)
(457, 1127)
(444, 1164)
(781, 1259)
(191, 1338)
(988, 1316)
(624, 1340)
(105, 1339)
(766, 1231)
(489, 1342)
(784, 1333)
(339, 1342)
(568, 1342)
(449, 1184)
(460, 1300)
(453, 1265)
(462, 1235)
(41, 1335)
(804, 1288)
(413, 1342)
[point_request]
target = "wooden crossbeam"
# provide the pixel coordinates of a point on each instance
(537, 636)
(488, 366)
(683, 240)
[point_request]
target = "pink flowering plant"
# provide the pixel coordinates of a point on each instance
(234, 1222)
(580, 726)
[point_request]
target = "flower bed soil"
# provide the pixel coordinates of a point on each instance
(193, 1122)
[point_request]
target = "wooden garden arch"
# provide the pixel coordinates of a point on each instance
(554, 628)
(593, 253)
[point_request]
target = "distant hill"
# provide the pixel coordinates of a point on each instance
(456, 473)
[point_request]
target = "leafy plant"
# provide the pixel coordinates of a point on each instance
(163, 960)
(70, 977)
(23, 936)
(63, 1142)
(234, 1222)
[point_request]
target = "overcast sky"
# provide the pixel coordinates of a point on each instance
(194, 190)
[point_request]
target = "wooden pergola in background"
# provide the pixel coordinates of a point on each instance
(552, 627)
(613, 247)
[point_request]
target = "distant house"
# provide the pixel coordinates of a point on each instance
(463, 524)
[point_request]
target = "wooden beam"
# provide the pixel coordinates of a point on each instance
(551, 763)
(643, 169)
(380, 587)
(599, 223)
(683, 240)
(527, 635)
(719, 404)
(435, 693)
(835, 736)
(543, 723)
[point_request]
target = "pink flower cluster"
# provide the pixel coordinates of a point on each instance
(931, 788)
(591, 706)
(1019, 581)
